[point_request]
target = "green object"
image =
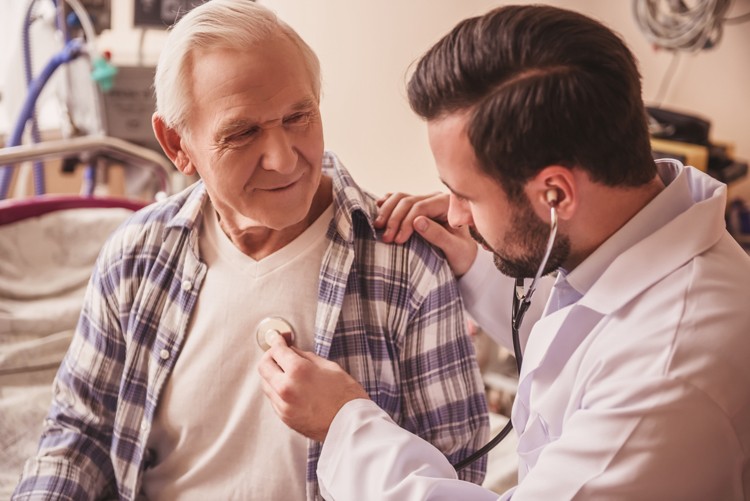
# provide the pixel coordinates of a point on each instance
(103, 74)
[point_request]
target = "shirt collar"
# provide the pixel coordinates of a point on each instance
(674, 199)
(188, 205)
(349, 201)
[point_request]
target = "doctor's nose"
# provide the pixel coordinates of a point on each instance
(278, 152)
(459, 213)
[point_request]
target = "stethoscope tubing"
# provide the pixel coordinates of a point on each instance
(521, 303)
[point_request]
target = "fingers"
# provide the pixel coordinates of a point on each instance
(398, 212)
(305, 390)
(382, 199)
(284, 356)
(279, 368)
(459, 249)
(386, 206)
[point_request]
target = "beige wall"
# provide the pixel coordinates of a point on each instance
(366, 47)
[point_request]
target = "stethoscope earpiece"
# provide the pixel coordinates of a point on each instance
(551, 197)
(273, 326)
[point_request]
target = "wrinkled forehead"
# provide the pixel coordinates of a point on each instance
(265, 82)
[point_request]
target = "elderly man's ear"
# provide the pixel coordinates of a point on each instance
(171, 142)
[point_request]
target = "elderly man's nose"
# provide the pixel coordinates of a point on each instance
(278, 152)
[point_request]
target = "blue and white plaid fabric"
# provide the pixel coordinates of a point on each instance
(389, 314)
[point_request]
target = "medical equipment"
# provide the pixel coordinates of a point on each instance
(273, 326)
(676, 25)
(521, 303)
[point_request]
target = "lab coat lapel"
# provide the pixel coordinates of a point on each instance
(539, 340)
(551, 344)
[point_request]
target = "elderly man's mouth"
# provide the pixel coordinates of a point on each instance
(280, 188)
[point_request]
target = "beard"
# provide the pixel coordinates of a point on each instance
(529, 233)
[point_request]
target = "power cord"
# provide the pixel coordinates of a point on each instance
(680, 26)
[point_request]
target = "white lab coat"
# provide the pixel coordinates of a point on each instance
(639, 390)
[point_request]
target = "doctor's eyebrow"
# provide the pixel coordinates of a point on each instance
(456, 193)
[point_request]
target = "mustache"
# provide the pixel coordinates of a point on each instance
(477, 237)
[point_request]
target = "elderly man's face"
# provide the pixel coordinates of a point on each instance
(254, 134)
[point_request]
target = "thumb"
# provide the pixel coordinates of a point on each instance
(435, 233)
(459, 249)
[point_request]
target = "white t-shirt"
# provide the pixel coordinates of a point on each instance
(215, 435)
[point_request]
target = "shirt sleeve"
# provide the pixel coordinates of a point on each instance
(443, 400)
(366, 456)
(72, 461)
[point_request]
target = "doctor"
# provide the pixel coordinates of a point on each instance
(635, 381)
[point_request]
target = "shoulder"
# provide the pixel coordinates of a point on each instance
(148, 229)
(692, 324)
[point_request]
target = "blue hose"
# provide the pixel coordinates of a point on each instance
(36, 137)
(71, 50)
(89, 180)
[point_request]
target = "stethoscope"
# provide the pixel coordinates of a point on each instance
(270, 327)
(274, 326)
(521, 303)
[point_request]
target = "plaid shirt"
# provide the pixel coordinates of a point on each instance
(389, 314)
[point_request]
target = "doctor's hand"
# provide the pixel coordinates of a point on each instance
(305, 390)
(401, 214)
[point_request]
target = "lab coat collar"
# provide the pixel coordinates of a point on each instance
(691, 199)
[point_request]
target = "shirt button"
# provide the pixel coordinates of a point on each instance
(144, 425)
(187, 285)
(164, 354)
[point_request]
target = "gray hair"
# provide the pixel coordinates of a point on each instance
(216, 24)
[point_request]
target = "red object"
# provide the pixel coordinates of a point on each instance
(16, 210)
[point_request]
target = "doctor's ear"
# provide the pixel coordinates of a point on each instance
(554, 186)
(171, 142)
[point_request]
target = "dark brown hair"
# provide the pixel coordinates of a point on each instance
(545, 86)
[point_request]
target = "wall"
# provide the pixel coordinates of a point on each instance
(366, 48)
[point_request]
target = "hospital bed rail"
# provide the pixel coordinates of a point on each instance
(88, 147)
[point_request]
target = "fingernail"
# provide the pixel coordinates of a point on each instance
(420, 224)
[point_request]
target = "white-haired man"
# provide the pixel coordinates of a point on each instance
(159, 395)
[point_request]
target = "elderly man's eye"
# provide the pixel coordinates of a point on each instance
(245, 134)
(253, 131)
(298, 119)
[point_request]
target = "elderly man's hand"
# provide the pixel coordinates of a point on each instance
(305, 390)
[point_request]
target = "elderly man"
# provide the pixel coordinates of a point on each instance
(158, 395)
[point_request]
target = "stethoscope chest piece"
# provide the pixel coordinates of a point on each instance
(272, 326)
